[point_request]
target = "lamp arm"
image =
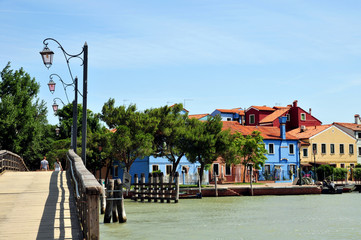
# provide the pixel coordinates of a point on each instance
(67, 57)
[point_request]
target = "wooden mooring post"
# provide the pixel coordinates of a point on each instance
(115, 202)
(156, 189)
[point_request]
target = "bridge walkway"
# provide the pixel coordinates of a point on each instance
(37, 205)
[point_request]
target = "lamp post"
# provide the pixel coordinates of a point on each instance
(47, 56)
(55, 106)
(314, 163)
(74, 84)
(299, 162)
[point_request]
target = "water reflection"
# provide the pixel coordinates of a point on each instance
(260, 217)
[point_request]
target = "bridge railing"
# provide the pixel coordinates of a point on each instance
(11, 161)
(88, 193)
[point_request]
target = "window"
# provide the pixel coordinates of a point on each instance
(305, 152)
(271, 149)
(342, 165)
(267, 168)
(228, 169)
(168, 169)
(352, 165)
(359, 151)
(251, 119)
(155, 168)
(323, 148)
(332, 148)
(116, 174)
(359, 135)
(314, 148)
(303, 116)
(288, 117)
(292, 148)
(229, 119)
(185, 169)
(216, 169)
(342, 150)
(350, 148)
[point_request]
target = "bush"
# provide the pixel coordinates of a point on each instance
(339, 173)
(357, 174)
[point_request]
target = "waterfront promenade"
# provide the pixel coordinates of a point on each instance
(37, 205)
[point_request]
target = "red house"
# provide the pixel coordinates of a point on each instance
(266, 116)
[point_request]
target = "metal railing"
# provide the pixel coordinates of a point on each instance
(88, 191)
(11, 162)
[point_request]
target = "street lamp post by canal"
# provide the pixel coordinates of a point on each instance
(299, 162)
(47, 56)
(74, 84)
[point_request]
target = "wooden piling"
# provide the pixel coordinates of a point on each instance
(109, 205)
(161, 188)
(142, 186)
(120, 203)
(150, 187)
(155, 185)
(136, 187)
(102, 197)
(176, 187)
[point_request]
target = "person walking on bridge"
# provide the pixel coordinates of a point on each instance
(44, 165)
(57, 165)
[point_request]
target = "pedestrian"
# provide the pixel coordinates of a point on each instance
(44, 164)
(57, 165)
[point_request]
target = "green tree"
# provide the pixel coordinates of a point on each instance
(169, 138)
(206, 142)
(22, 116)
(339, 173)
(250, 150)
(134, 130)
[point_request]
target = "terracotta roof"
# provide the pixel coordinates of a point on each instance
(352, 126)
(263, 108)
(233, 110)
(309, 131)
(266, 132)
(273, 116)
(198, 116)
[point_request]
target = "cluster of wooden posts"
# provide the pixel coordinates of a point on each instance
(112, 204)
(156, 189)
(112, 201)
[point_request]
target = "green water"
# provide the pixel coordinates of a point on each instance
(261, 217)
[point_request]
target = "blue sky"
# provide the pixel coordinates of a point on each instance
(207, 54)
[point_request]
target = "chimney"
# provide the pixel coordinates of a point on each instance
(295, 103)
(357, 119)
(282, 127)
(309, 111)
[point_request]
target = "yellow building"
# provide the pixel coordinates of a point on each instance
(326, 144)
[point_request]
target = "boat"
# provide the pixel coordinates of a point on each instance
(331, 188)
(186, 195)
(349, 187)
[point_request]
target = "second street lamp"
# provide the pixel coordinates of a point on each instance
(74, 128)
(47, 57)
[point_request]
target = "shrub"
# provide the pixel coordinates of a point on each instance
(339, 173)
(357, 174)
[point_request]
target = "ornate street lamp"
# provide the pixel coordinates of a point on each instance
(57, 131)
(51, 85)
(47, 56)
(55, 105)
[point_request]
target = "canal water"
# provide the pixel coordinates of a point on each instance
(259, 217)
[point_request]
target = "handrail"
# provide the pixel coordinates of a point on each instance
(89, 191)
(72, 176)
(11, 161)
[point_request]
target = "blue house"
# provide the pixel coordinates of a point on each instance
(282, 150)
(188, 172)
(235, 114)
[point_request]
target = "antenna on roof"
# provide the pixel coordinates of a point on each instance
(184, 105)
